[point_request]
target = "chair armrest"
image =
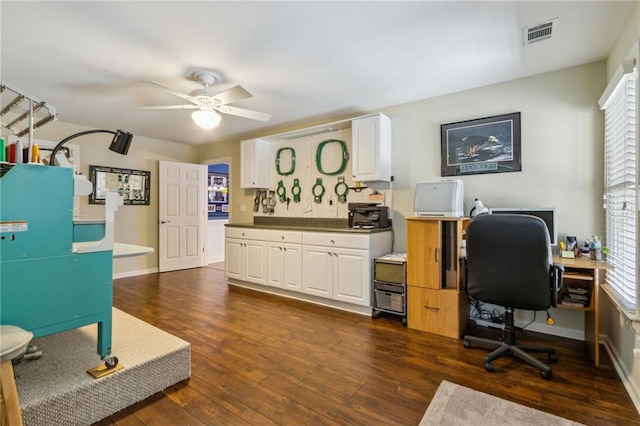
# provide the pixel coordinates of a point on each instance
(557, 271)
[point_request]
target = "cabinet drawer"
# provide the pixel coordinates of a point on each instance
(245, 233)
(336, 240)
(278, 236)
(389, 301)
(436, 311)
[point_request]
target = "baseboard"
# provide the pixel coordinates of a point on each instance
(554, 330)
(538, 328)
(135, 273)
(336, 304)
(625, 375)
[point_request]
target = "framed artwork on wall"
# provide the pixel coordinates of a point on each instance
(131, 185)
(481, 146)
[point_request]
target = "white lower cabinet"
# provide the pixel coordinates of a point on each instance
(284, 253)
(334, 266)
(245, 255)
(317, 275)
(352, 276)
(337, 273)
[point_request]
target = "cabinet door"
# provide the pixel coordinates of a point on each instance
(275, 255)
(292, 266)
(255, 168)
(435, 311)
(424, 254)
(255, 263)
(317, 272)
(371, 144)
(233, 250)
(352, 276)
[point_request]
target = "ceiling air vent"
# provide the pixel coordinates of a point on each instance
(539, 32)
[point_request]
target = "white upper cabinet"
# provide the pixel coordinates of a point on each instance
(371, 158)
(255, 168)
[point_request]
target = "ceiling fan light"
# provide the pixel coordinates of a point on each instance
(206, 119)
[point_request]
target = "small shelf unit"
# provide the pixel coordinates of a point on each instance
(390, 286)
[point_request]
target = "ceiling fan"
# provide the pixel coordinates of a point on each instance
(207, 102)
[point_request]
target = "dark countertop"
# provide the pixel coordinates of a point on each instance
(305, 224)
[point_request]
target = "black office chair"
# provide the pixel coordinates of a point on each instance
(509, 263)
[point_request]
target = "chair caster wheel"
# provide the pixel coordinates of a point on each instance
(111, 362)
(546, 374)
(467, 344)
(488, 366)
(553, 358)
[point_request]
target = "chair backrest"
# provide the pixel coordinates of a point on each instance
(509, 261)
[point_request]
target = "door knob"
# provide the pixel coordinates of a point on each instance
(165, 221)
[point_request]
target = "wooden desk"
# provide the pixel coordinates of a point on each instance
(585, 273)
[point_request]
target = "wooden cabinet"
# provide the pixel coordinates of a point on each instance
(255, 167)
(436, 301)
(245, 255)
(442, 312)
(284, 254)
(584, 274)
(371, 145)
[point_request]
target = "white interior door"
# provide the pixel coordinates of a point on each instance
(183, 213)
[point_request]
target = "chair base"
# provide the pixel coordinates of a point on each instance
(521, 352)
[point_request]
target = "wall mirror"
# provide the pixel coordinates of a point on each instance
(131, 185)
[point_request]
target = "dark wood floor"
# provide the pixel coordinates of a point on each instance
(261, 359)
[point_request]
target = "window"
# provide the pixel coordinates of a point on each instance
(621, 183)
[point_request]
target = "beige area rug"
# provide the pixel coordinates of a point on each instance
(56, 389)
(456, 405)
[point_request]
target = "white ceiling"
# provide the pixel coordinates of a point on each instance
(301, 60)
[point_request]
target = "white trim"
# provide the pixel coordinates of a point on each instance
(135, 273)
(625, 67)
(625, 376)
(336, 304)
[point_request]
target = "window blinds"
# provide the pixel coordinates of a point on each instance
(620, 188)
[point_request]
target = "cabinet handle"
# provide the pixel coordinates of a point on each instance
(432, 309)
(285, 249)
(280, 248)
(435, 254)
(333, 242)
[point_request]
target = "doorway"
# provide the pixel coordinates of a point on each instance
(218, 208)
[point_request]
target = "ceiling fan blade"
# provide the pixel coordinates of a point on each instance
(241, 112)
(170, 107)
(172, 91)
(236, 93)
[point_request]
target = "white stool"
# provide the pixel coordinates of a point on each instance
(13, 343)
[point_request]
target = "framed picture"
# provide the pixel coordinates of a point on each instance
(131, 185)
(483, 145)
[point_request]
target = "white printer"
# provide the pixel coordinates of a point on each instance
(439, 199)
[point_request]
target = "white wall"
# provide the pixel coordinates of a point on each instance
(561, 147)
(215, 240)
